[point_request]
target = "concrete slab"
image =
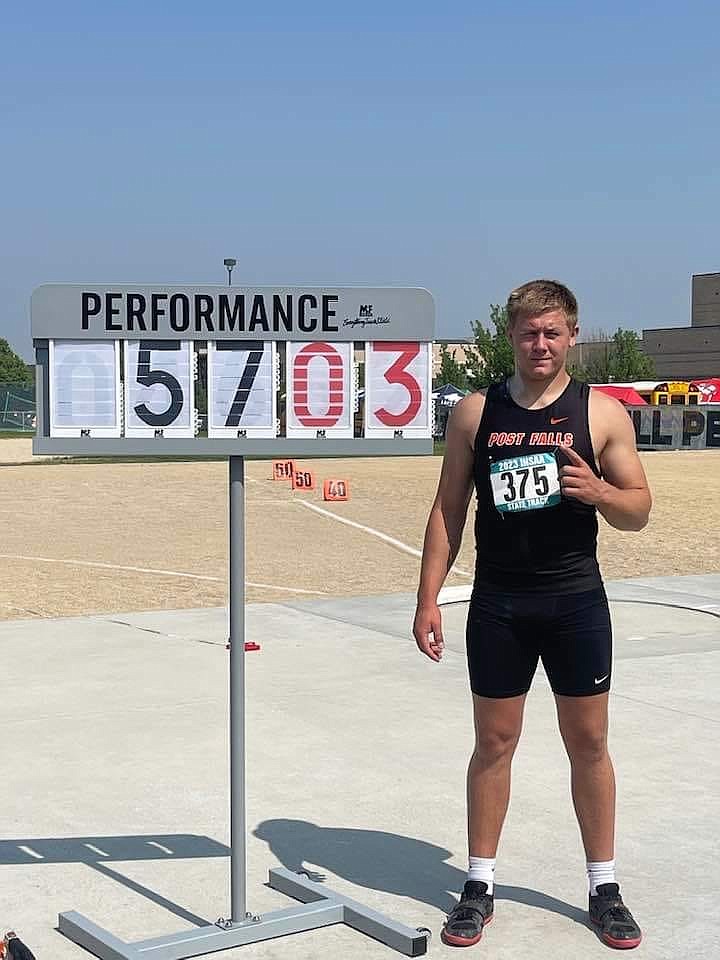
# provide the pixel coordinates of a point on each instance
(114, 797)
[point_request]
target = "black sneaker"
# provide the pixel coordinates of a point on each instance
(465, 924)
(614, 922)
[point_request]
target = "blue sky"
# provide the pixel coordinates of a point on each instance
(464, 147)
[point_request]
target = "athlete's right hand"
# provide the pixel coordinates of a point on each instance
(427, 630)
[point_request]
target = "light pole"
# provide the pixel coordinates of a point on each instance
(229, 263)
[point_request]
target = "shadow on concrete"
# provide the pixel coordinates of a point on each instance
(367, 858)
(96, 851)
(385, 861)
(91, 850)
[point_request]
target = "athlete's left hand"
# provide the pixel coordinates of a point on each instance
(578, 481)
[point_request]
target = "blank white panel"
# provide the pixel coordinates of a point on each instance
(84, 382)
(320, 389)
(159, 388)
(242, 397)
(398, 379)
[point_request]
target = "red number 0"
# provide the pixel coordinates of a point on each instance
(397, 373)
(336, 396)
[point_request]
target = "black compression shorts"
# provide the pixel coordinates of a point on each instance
(507, 633)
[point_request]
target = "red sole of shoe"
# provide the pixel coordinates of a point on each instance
(622, 944)
(449, 940)
(618, 944)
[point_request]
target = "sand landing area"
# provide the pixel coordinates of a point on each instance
(85, 537)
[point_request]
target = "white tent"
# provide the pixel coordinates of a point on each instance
(448, 394)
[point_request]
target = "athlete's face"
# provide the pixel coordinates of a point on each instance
(541, 344)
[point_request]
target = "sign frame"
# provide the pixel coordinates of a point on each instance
(360, 314)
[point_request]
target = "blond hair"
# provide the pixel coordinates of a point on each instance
(540, 296)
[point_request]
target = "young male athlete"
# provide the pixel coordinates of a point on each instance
(544, 453)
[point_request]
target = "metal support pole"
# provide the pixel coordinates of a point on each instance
(238, 860)
(320, 907)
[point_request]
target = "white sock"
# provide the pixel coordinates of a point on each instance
(483, 869)
(600, 871)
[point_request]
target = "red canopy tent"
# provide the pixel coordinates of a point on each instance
(709, 389)
(626, 395)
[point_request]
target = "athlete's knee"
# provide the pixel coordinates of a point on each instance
(586, 745)
(495, 745)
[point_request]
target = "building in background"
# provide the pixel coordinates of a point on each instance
(690, 353)
(456, 349)
(706, 300)
(586, 352)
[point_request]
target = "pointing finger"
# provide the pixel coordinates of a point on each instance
(572, 455)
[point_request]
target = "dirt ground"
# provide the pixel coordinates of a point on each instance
(82, 538)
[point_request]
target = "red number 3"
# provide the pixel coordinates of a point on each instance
(398, 373)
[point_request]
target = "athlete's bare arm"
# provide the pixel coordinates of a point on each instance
(622, 496)
(446, 522)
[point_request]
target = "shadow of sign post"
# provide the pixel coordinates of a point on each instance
(97, 852)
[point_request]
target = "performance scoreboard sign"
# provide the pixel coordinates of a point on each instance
(118, 369)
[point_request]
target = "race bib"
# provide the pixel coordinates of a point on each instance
(525, 483)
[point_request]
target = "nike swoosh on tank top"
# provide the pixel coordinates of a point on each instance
(528, 537)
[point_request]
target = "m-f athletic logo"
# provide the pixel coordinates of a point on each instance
(366, 317)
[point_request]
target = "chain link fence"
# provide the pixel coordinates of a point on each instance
(17, 406)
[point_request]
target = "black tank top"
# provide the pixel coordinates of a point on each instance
(524, 545)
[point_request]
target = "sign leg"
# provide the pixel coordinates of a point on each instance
(238, 860)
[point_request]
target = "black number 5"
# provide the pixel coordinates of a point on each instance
(541, 485)
(148, 378)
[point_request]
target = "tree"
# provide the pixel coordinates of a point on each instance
(13, 368)
(622, 361)
(491, 358)
(627, 359)
(450, 371)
